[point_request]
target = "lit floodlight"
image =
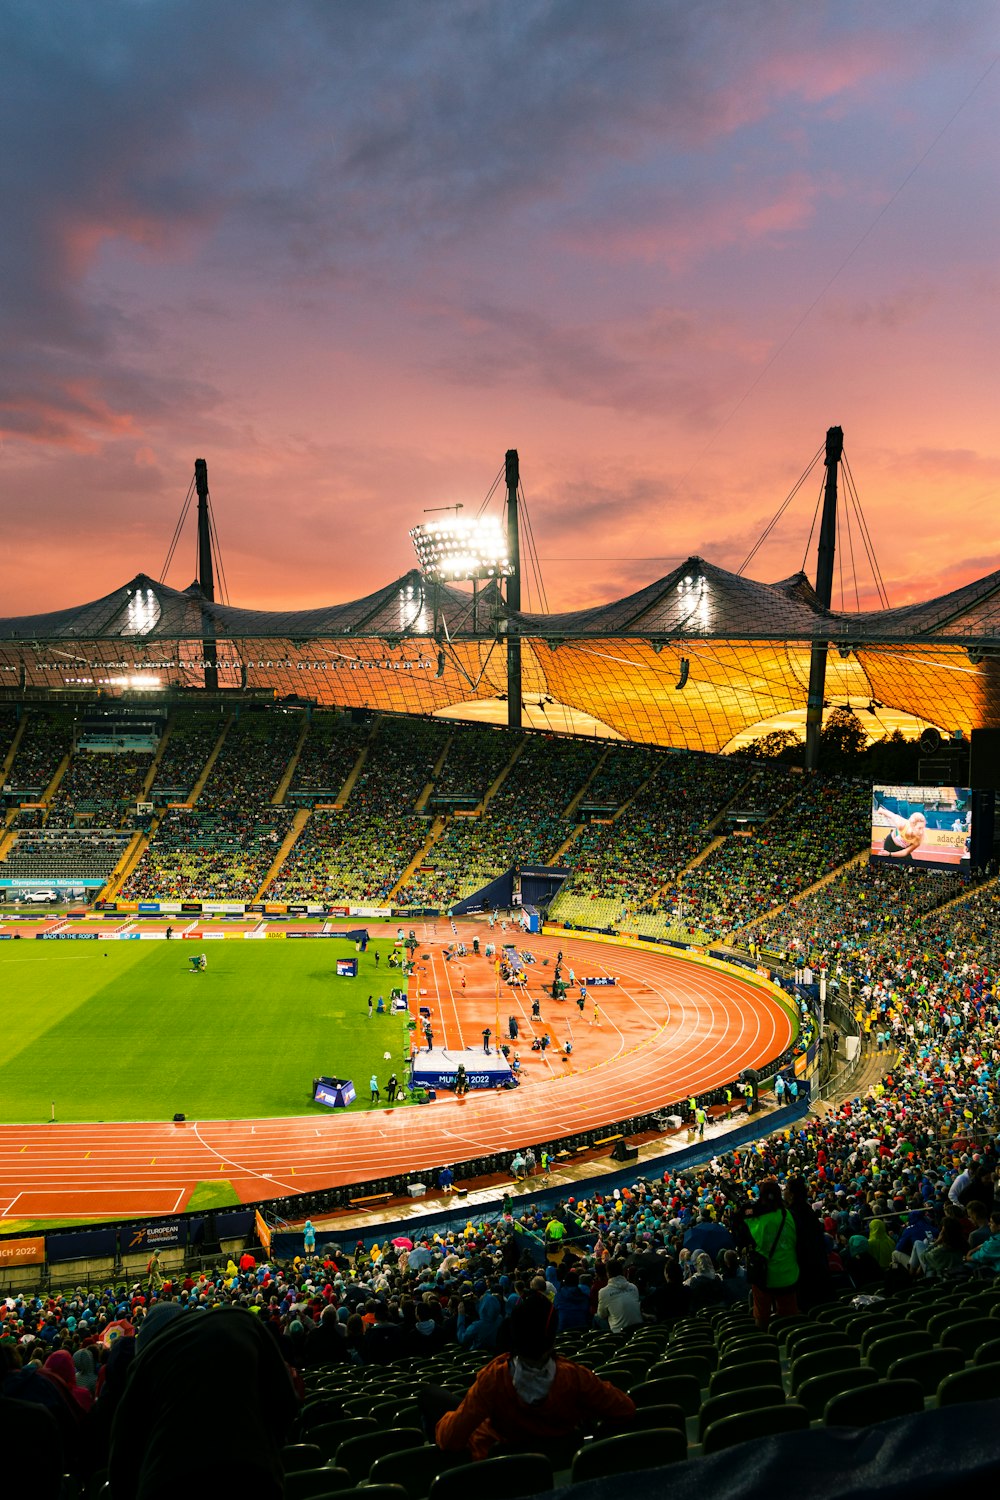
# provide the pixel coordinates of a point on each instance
(142, 612)
(456, 548)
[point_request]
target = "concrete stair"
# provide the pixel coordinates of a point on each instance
(206, 771)
(9, 758)
(424, 797)
(150, 778)
(574, 835)
(53, 785)
(817, 885)
(133, 852)
(575, 801)
(286, 780)
(437, 828)
(299, 821)
(352, 776)
(701, 856)
(495, 786)
(8, 835)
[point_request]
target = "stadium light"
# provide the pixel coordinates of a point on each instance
(456, 548)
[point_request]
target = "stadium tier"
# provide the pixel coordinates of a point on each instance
(882, 1304)
(272, 803)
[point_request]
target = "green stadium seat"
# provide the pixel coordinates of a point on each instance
(817, 1390)
(745, 1377)
(928, 1368)
(628, 1453)
(357, 1454)
(869, 1404)
(977, 1383)
(305, 1484)
(732, 1402)
(506, 1478)
(823, 1362)
(750, 1426)
(883, 1352)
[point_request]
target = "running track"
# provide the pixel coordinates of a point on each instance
(690, 1028)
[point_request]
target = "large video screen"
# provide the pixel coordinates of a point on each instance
(922, 825)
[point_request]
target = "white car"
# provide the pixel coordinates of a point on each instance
(41, 898)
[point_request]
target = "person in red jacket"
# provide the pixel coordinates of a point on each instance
(529, 1395)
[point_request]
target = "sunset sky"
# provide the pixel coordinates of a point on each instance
(349, 251)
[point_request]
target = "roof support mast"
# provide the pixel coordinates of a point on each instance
(206, 571)
(512, 472)
(825, 554)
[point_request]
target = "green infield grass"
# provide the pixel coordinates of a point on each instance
(124, 1031)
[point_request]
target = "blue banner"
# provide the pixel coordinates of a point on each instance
(152, 1234)
(234, 1226)
(79, 1244)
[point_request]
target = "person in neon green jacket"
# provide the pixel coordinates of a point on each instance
(772, 1230)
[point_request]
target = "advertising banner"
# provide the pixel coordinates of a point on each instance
(25, 1252)
(263, 1230)
(154, 1234)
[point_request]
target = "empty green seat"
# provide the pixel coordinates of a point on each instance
(928, 1368)
(977, 1383)
(874, 1403)
(715, 1407)
(815, 1392)
(823, 1362)
(745, 1377)
(613, 1456)
(749, 1426)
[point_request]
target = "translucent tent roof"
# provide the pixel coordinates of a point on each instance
(746, 646)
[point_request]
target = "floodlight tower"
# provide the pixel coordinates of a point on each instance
(512, 473)
(825, 553)
(455, 550)
(206, 570)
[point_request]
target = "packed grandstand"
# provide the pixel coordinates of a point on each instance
(882, 1305)
(418, 814)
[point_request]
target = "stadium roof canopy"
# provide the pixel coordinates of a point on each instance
(414, 647)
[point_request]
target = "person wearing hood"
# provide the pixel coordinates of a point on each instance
(223, 1364)
(859, 1263)
(918, 1227)
(482, 1331)
(422, 1331)
(815, 1284)
(33, 1462)
(327, 1343)
(572, 1303)
(86, 1369)
(531, 1395)
(705, 1285)
(60, 1366)
(880, 1244)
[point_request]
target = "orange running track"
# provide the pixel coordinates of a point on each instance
(669, 1027)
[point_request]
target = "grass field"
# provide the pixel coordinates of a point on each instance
(124, 1031)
